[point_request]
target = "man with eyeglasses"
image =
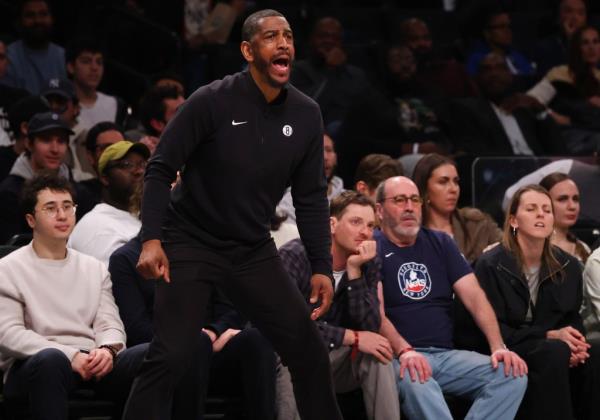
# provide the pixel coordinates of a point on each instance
(421, 270)
(59, 325)
(97, 139)
(46, 146)
(114, 221)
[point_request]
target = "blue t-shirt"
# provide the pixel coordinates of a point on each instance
(30, 69)
(417, 286)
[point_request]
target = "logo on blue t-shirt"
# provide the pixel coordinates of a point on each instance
(414, 280)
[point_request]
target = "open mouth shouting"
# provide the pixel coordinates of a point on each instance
(281, 65)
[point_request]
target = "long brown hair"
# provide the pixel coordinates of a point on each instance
(421, 174)
(548, 182)
(583, 75)
(509, 237)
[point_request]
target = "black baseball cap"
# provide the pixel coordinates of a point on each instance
(60, 87)
(46, 121)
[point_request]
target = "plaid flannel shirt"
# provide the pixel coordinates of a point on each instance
(355, 304)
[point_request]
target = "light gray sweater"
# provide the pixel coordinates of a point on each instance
(63, 304)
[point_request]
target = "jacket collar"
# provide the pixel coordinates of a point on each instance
(508, 262)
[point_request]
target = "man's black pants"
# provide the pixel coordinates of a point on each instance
(46, 379)
(254, 279)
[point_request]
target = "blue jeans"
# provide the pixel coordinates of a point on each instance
(464, 374)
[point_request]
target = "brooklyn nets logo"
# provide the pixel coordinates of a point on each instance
(414, 280)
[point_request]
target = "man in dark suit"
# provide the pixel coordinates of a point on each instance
(499, 122)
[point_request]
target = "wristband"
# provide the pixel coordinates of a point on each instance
(354, 352)
(111, 350)
(405, 350)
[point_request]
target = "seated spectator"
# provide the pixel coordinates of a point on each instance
(497, 37)
(227, 352)
(47, 140)
(421, 270)
(500, 123)
(434, 67)
(326, 76)
(586, 176)
(157, 107)
(552, 50)
(33, 59)
(8, 96)
(110, 224)
(572, 93)
(565, 202)
(591, 296)
(360, 357)
(85, 67)
(63, 331)
(371, 170)
(19, 115)
(335, 185)
(98, 138)
(402, 117)
(169, 79)
(283, 231)
(535, 290)
(437, 178)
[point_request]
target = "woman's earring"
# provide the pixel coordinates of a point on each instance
(514, 231)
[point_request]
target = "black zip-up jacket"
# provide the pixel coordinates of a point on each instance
(237, 154)
(558, 300)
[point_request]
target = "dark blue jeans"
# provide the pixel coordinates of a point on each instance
(46, 379)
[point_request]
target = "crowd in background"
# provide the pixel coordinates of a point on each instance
(423, 90)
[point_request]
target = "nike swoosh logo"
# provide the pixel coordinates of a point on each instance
(234, 122)
(389, 255)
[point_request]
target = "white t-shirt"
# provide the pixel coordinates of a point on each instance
(104, 109)
(104, 229)
(337, 276)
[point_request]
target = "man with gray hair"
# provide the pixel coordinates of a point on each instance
(421, 270)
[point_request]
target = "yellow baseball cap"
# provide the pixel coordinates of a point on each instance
(119, 149)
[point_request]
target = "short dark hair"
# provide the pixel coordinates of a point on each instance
(81, 45)
(339, 204)
(97, 129)
(21, 5)
(42, 181)
(22, 111)
(374, 168)
(252, 22)
(152, 106)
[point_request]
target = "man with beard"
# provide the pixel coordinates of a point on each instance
(500, 122)
(421, 270)
(111, 224)
(34, 59)
(335, 185)
(238, 142)
(435, 69)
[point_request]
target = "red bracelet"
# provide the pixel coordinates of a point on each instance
(354, 352)
(405, 350)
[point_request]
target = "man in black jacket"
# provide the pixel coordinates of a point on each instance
(500, 123)
(238, 142)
